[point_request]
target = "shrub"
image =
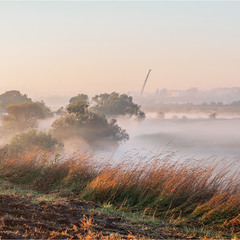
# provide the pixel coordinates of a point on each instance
(32, 139)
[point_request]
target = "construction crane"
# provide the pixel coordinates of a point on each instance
(144, 84)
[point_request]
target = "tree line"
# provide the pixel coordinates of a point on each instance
(90, 119)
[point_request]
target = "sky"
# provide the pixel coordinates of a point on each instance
(64, 47)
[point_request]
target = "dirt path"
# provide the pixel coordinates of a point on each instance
(72, 219)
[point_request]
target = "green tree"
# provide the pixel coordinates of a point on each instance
(26, 114)
(116, 104)
(82, 97)
(13, 97)
(45, 109)
(78, 107)
(92, 127)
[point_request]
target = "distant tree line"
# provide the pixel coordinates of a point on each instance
(221, 104)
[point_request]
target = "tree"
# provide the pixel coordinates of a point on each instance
(26, 114)
(13, 97)
(92, 127)
(45, 109)
(116, 104)
(78, 107)
(32, 139)
(82, 97)
(213, 115)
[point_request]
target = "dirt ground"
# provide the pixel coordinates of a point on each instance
(71, 219)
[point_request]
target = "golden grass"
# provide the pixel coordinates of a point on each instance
(161, 187)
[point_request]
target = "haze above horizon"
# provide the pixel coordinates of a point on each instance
(71, 47)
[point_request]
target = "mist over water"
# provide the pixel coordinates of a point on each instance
(196, 138)
(186, 135)
(178, 135)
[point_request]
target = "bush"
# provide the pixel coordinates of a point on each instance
(32, 139)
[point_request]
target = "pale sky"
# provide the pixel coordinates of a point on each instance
(49, 48)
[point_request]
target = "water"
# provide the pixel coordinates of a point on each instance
(180, 135)
(189, 137)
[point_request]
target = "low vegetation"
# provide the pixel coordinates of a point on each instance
(189, 197)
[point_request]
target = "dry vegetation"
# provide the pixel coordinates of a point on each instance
(180, 194)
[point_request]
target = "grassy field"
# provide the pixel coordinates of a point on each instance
(157, 198)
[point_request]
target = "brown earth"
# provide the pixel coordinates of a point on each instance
(71, 219)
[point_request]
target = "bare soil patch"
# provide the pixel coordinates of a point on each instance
(71, 219)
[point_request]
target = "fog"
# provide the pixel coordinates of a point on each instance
(180, 135)
(45, 124)
(197, 139)
(186, 135)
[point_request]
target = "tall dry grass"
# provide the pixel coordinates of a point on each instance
(201, 193)
(46, 172)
